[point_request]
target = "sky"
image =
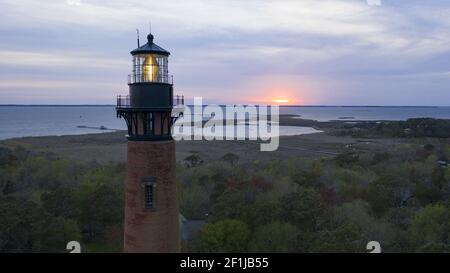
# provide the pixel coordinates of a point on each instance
(309, 52)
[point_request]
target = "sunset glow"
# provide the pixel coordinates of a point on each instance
(281, 101)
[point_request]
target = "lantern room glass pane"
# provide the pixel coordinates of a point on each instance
(150, 68)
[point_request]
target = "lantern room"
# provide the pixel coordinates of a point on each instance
(150, 64)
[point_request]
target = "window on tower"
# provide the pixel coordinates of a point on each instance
(149, 185)
(149, 196)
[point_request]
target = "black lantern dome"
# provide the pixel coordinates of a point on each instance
(150, 48)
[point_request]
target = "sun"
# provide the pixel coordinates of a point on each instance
(281, 101)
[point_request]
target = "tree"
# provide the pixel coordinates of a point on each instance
(261, 212)
(430, 229)
(276, 237)
(194, 202)
(303, 208)
(347, 159)
(309, 178)
(100, 199)
(229, 205)
(388, 191)
(439, 181)
(380, 157)
(193, 161)
(230, 158)
(357, 213)
(6, 156)
(26, 227)
(58, 233)
(61, 202)
(230, 236)
(433, 188)
(346, 238)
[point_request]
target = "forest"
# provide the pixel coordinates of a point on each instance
(46, 201)
(411, 128)
(399, 198)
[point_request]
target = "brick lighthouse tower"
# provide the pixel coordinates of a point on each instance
(151, 200)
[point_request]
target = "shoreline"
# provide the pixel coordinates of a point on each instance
(112, 146)
(97, 130)
(285, 120)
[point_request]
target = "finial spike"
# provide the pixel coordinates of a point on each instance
(138, 42)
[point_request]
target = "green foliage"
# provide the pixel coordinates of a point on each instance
(100, 201)
(347, 159)
(194, 202)
(39, 172)
(430, 229)
(357, 213)
(46, 202)
(193, 161)
(380, 157)
(229, 205)
(303, 208)
(388, 191)
(292, 205)
(309, 178)
(276, 237)
(6, 156)
(346, 238)
(351, 183)
(25, 227)
(261, 212)
(230, 158)
(227, 236)
(334, 205)
(414, 128)
(61, 202)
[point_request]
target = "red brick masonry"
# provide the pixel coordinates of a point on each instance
(151, 230)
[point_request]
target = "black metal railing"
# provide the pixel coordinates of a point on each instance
(142, 78)
(178, 100)
(124, 101)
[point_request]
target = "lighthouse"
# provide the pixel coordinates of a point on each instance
(151, 222)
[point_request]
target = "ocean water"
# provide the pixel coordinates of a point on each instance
(22, 121)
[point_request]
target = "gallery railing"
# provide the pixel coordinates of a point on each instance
(124, 101)
(143, 78)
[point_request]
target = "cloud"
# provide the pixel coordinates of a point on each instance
(224, 44)
(56, 60)
(53, 84)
